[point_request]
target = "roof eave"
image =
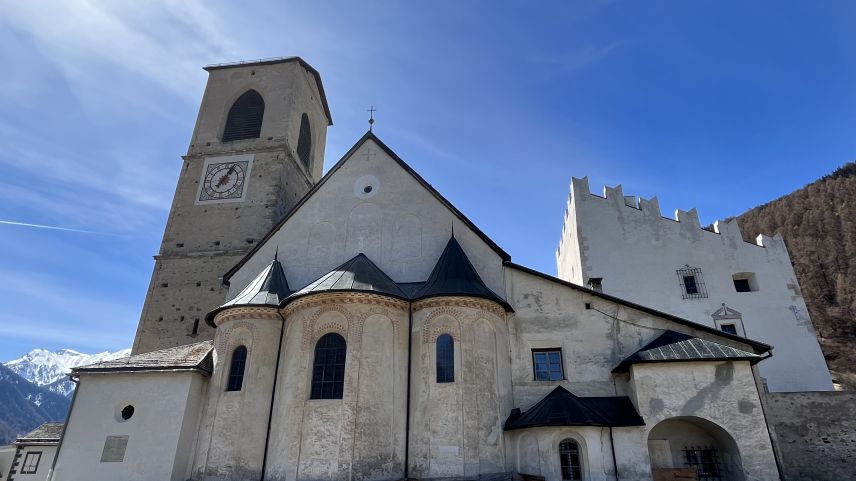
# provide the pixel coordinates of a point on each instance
(759, 346)
(625, 366)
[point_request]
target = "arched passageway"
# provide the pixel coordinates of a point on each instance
(694, 444)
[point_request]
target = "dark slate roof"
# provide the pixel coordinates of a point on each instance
(366, 137)
(269, 288)
(358, 274)
(271, 61)
(674, 346)
(454, 275)
(757, 345)
(189, 357)
(47, 433)
(562, 408)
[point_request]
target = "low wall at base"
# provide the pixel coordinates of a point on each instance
(815, 434)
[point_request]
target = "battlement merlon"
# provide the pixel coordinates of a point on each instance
(730, 229)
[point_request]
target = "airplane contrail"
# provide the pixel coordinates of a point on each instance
(52, 227)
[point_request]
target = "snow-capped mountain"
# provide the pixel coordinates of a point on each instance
(48, 368)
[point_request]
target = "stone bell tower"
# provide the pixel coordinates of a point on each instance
(256, 150)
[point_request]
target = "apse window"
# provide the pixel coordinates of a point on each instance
(691, 282)
(745, 282)
(31, 462)
(547, 364)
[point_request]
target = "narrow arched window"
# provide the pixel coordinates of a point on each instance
(328, 369)
(236, 369)
(445, 358)
(569, 459)
(245, 117)
(304, 141)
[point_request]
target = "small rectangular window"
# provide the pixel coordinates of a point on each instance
(690, 285)
(31, 462)
(729, 328)
(547, 364)
(742, 285)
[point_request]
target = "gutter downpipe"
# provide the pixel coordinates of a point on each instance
(407, 417)
(273, 393)
(614, 461)
(64, 426)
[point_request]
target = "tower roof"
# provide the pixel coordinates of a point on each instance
(454, 275)
(269, 288)
(272, 61)
(358, 274)
(562, 408)
(674, 346)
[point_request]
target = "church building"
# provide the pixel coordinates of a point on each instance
(357, 326)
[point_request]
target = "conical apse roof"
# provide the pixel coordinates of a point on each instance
(269, 288)
(357, 274)
(454, 275)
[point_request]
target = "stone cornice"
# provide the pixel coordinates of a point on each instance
(315, 300)
(246, 312)
(469, 302)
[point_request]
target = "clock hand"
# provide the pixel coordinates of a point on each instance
(225, 178)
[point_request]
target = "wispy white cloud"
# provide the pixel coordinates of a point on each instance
(52, 227)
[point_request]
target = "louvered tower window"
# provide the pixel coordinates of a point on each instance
(245, 117)
(328, 368)
(445, 358)
(236, 370)
(304, 141)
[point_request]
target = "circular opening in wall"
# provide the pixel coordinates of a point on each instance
(127, 412)
(367, 189)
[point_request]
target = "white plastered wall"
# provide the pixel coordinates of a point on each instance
(160, 433)
(399, 225)
(637, 252)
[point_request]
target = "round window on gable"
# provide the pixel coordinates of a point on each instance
(126, 412)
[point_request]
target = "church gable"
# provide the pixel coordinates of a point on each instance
(370, 203)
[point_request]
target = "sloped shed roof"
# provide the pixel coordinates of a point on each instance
(674, 346)
(47, 433)
(189, 357)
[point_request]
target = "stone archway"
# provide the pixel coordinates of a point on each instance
(696, 444)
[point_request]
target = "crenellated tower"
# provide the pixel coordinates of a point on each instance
(256, 150)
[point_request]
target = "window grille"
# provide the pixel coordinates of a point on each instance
(304, 141)
(328, 368)
(31, 462)
(705, 459)
(547, 364)
(691, 282)
(445, 358)
(245, 117)
(569, 458)
(236, 370)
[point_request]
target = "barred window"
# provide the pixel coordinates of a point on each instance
(304, 141)
(236, 370)
(245, 117)
(445, 358)
(547, 364)
(705, 459)
(328, 369)
(569, 459)
(691, 282)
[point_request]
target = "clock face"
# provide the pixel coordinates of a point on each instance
(224, 181)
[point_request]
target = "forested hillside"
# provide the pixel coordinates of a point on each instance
(818, 223)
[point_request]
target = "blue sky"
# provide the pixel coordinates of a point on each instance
(714, 105)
